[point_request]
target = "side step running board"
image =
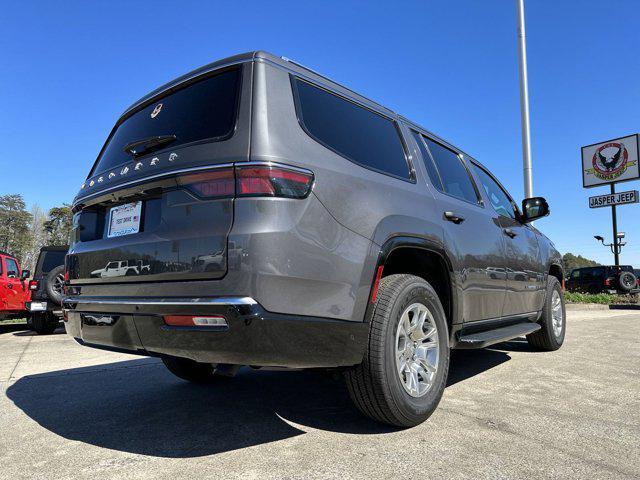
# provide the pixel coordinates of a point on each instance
(502, 334)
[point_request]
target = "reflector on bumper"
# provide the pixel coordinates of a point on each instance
(195, 321)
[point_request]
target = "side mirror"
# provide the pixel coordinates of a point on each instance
(534, 208)
(25, 274)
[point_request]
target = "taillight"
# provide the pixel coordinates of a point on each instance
(211, 184)
(249, 181)
(195, 321)
(33, 284)
(607, 282)
(272, 181)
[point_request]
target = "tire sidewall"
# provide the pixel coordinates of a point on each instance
(621, 283)
(554, 285)
(51, 276)
(412, 408)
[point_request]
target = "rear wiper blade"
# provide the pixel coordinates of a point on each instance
(145, 145)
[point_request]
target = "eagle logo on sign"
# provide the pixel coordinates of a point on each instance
(610, 161)
(156, 110)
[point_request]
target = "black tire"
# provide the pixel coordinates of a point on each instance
(190, 370)
(375, 385)
(546, 339)
(53, 284)
(44, 323)
(627, 281)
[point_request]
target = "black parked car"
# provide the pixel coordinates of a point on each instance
(603, 279)
(47, 289)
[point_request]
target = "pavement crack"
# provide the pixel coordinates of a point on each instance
(19, 359)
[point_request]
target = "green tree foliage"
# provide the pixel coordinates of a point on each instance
(14, 225)
(572, 261)
(58, 226)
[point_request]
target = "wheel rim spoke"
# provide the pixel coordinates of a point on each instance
(557, 314)
(417, 349)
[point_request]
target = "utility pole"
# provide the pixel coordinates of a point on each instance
(527, 169)
(616, 241)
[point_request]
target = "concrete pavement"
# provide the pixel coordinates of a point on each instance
(508, 412)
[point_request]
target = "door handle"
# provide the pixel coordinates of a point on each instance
(9, 285)
(454, 217)
(509, 233)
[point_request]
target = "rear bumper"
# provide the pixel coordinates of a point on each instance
(254, 336)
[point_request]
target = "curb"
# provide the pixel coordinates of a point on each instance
(599, 306)
(585, 306)
(622, 306)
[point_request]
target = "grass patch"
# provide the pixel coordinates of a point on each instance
(13, 321)
(601, 298)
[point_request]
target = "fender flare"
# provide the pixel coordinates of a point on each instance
(408, 241)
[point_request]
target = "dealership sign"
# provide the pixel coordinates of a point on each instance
(620, 198)
(612, 161)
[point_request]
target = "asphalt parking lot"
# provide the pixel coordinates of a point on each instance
(508, 412)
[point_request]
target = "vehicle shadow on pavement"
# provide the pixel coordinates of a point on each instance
(12, 327)
(30, 333)
(137, 406)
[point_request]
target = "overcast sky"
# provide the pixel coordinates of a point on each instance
(70, 68)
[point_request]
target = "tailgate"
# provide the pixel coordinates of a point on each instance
(163, 231)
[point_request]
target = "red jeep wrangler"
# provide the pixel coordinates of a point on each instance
(14, 291)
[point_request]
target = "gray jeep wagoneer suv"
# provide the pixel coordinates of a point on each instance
(272, 217)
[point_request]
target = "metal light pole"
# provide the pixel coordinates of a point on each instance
(524, 103)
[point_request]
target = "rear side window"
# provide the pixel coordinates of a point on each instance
(455, 177)
(355, 132)
(51, 260)
(497, 196)
(205, 110)
(431, 168)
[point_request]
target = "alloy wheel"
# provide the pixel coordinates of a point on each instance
(557, 314)
(417, 349)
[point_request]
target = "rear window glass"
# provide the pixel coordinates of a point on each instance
(51, 260)
(203, 110)
(455, 177)
(431, 168)
(359, 134)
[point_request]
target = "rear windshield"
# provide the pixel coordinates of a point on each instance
(51, 259)
(205, 110)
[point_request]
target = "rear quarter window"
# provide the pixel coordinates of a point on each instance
(51, 259)
(352, 131)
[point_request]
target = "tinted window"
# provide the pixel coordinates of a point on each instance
(52, 260)
(354, 132)
(431, 168)
(598, 272)
(497, 196)
(12, 266)
(575, 274)
(203, 110)
(454, 175)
